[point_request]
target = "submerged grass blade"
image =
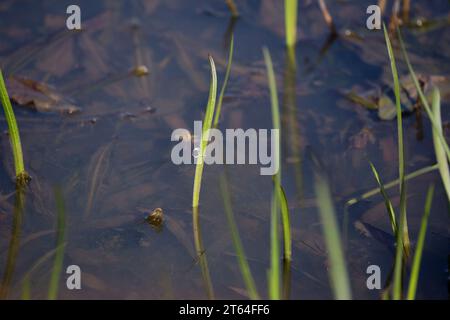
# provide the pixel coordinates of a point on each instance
(401, 148)
(438, 148)
(338, 271)
(423, 99)
(238, 247)
(22, 176)
(290, 17)
(204, 138)
(387, 201)
(201, 253)
(14, 243)
(98, 169)
(225, 82)
(415, 269)
(60, 236)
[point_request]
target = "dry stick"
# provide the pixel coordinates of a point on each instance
(395, 21)
(382, 5)
(327, 16)
(406, 10)
(233, 8)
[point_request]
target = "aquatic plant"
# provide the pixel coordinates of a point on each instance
(434, 122)
(438, 146)
(290, 19)
(402, 236)
(60, 237)
(415, 268)
(22, 176)
(338, 273)
(279, 201)
(237, 243)
(207, 125)
(224, 85)
(204, 138)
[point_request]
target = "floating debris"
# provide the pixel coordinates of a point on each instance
(140, 71)
(38, 96)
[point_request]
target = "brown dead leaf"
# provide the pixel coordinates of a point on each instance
(38, 96)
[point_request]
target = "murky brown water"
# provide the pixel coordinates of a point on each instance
(113, 157)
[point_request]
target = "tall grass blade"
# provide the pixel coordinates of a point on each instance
(281, 198)
(338, 271)
(204, 138)
(438, 148)
(274, 272)
(415, 269)
(290, 17)
(279, 202)
(60, 237)
(401, 149)
(224, 85)
(387, 201)
(22, 176)
(198, 180)
(423, 99)
(238, 247)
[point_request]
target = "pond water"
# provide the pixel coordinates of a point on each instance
(112, 159)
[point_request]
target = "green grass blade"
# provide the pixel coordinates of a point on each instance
(338, 271)
(285, 218)
(198, 179)
(21, 175)
(274, 272)
(225, 82)
(26, 289)
(423, 99)
(279, 202)
(415, 269)
(387, 201)
(438, 148)
(391, 184)
(401, 149)
(238, 247)
(59, 255)
(290, 17)
(204, 138)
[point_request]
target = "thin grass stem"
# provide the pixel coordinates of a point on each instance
(415, 269)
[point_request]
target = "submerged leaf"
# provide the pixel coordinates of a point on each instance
(38, 96)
